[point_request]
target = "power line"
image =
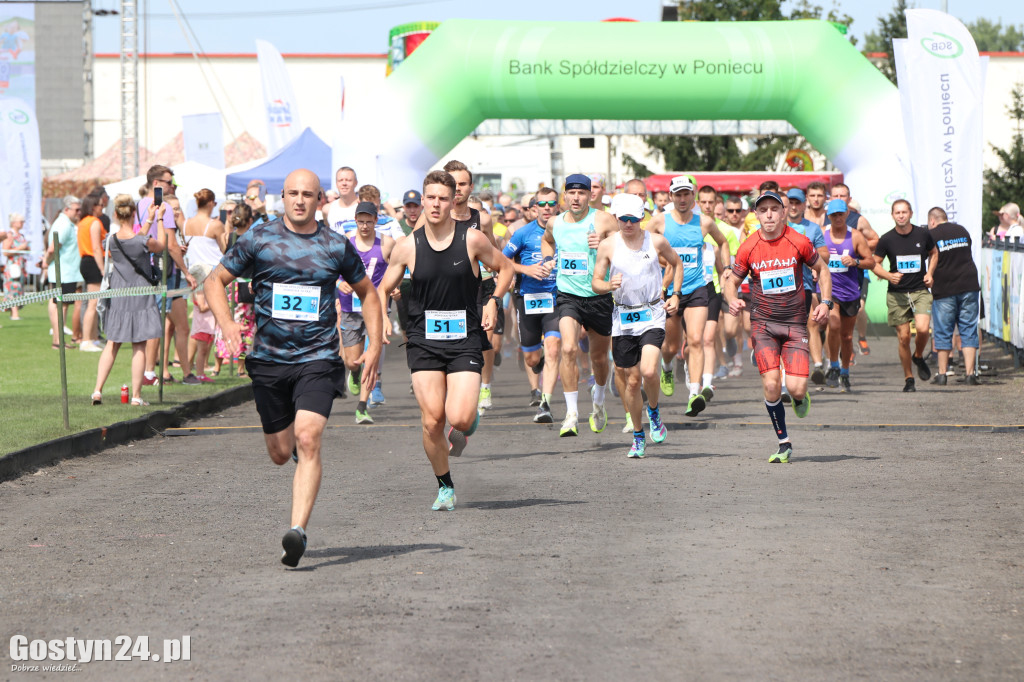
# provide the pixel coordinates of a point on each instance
(250, 14)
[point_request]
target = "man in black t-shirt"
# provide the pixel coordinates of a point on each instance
(908, 248)
(956, 291)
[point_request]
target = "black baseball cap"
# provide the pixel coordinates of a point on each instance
(366, 207)
(412, 197)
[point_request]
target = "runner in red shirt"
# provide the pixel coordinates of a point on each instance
(774, 257)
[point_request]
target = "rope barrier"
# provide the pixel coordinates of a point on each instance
(50, 294)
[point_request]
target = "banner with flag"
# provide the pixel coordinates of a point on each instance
(21, 186)
(283, 123)
(941, 83)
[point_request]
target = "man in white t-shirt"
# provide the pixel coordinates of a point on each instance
(344, 209)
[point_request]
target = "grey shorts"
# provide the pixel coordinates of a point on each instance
(353, 329)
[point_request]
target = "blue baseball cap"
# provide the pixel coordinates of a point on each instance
(577, 181)
(835, 206)
(412, 197)
(767, 195)
(797, 194)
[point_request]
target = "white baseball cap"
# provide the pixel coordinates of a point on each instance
(628, 204)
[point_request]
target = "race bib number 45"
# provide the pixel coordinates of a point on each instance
(778, 281)
(573, 263)
(445, 325)
(295, 302)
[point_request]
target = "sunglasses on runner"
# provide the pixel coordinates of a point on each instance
(547, 203)
(734, 210)
(629, 219)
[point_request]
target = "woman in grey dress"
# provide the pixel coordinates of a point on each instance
(130, 319)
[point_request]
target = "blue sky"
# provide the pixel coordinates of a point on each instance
(362, 26)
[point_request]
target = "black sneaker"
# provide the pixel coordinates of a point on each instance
(910, 386)
(972, 380)
(786, 398)
(939, 379)
(294, 543)
(832, 378)
(191, 380)
(543, 415)
(534, 398)
(923, 370)
(844, 383)
(818, 375)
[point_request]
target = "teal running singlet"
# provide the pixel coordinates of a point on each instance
(575, 259)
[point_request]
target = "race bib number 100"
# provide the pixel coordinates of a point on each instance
(778, 281)
(445, 325)
(295, 302)
(689, 256)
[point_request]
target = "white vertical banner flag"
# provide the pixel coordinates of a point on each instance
(944, 88)
(204, 139)
(283, 124)
(21, 181)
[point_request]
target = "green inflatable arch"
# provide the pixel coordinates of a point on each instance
(805, 72)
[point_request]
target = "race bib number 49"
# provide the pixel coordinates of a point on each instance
(631, 318)
(295, 302)
(445, 325)
(778, 281)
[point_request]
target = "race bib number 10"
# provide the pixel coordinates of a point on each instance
(445, 325)
(295, 302)
(778, 281)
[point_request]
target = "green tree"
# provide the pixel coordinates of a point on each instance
(994, 37)
(1005, 183)
(892, 25)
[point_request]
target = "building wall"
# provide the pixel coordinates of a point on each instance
(59, 84)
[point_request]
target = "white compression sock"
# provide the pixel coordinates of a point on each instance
(570, 401)
(599, 395)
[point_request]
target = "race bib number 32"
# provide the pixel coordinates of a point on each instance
(295, 302)
(445, 325)
(778, 281)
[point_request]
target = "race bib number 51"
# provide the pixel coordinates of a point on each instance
(445, 325)
(295, 302)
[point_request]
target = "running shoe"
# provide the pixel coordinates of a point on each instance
(802, 409)
(628, 428)
(353, 381)
(88, 346)
(786, 397)
(497, 359)
(722, 373)
(832, 378)
(363, 417)
(862, 346)
(457, 442)
(658, 430)
(191, 380)
(535, 398)
(637, 451)
(696, 405)
(708, 392)
(484, 402)
(818, 375)
(146, 381)
(570, 426)
(543, 415)
(844, 383)
(923, 370)
(598, 418)
(294, 543)
(910, 385)
(205, 379)
(737, 370)
(445, 499)
(668, 382)
(376, 396)
(973, 380)
(783, 455)
(940, 379)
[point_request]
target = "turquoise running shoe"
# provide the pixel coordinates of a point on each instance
(445, 499)
(658, 430)
(637, 451)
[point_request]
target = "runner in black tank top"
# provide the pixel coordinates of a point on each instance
(446, 331)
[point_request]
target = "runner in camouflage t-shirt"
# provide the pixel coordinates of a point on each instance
(295, 368)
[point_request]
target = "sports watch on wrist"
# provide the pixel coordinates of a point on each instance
(828, 303)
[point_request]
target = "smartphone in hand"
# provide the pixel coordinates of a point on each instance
(263, 193)
(224, 216)
(158, 196)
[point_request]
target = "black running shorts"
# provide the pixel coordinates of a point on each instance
(282, 390)
(698, 298)
(533, 329)
(626, 350)
(593, 312)
(449, 361)
(715, 303)
(487, 287)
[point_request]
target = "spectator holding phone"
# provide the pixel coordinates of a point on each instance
(256, 199)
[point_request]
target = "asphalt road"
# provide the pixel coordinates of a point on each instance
(889, 553)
